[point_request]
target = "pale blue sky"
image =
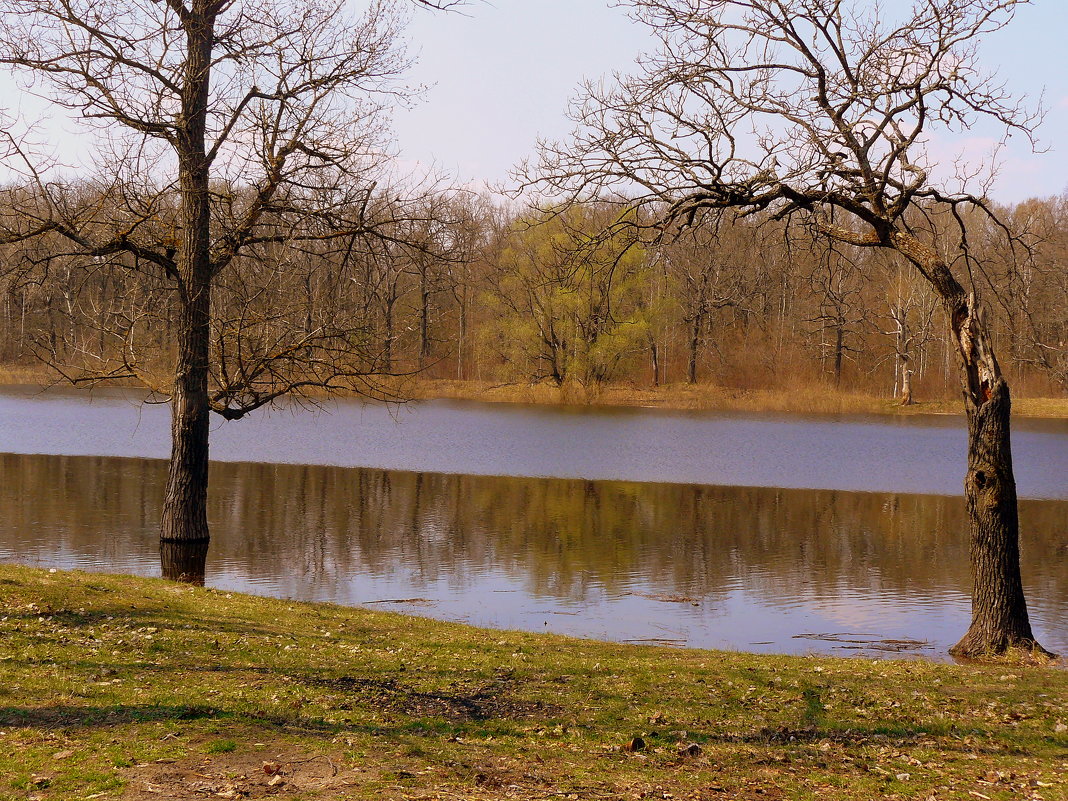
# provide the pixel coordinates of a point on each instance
(501, 74)
(504, 71)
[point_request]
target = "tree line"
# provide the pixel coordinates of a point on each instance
(458, 286)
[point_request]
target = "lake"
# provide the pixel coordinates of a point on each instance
(752, 532)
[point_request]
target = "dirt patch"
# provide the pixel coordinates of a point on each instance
(263, 773)
(493, 701)
(268, 772)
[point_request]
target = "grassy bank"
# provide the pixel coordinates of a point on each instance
(808, 400)
(117, 687)
(813, 399)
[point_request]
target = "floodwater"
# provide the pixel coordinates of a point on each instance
(901, 454)
(757, 533)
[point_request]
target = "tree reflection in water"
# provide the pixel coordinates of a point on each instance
(326, 533)
(183, 561)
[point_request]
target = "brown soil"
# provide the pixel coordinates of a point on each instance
(275, 771)
(264, 772)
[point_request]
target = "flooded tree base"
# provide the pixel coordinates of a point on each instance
(183, 561)
(979, 648)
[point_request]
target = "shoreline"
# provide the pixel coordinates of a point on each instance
(712, 397)
(811, 400)
(140, 688)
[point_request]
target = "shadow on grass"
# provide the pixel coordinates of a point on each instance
(63, 716)
(438, 719)
(124, 616)
(88, 717)
(949, 738)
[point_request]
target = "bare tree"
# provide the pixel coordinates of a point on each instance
(1034, 296)
(821, 109)
(836, 283)
(475, 223)
(910, 312)
(709, 263)
(232, 128)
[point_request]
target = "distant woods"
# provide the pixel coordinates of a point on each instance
(456, 286)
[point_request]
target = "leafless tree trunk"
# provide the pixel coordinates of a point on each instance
(258, 105)
(696, 325)
(999, 611)
(842, 97)
(185, 516)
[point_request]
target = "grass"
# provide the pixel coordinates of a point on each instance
(812, 399)
(117, 687)
(38, 374)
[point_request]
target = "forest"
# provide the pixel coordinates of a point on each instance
(474, 287)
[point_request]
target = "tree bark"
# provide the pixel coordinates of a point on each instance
(1000, 621)
(999, 611)
(695, 344)
(424, 317)
(839, 348)
(185, 502)
(461, 336)
(906, 386)
(387, 346)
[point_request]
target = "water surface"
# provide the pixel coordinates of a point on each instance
(890, 454)
(809, 566)
(726, 567)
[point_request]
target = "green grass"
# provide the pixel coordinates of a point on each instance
(116, 687)
(221, 747)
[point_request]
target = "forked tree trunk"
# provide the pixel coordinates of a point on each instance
(999, 612)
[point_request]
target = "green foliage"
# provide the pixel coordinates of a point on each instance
(568, 302)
